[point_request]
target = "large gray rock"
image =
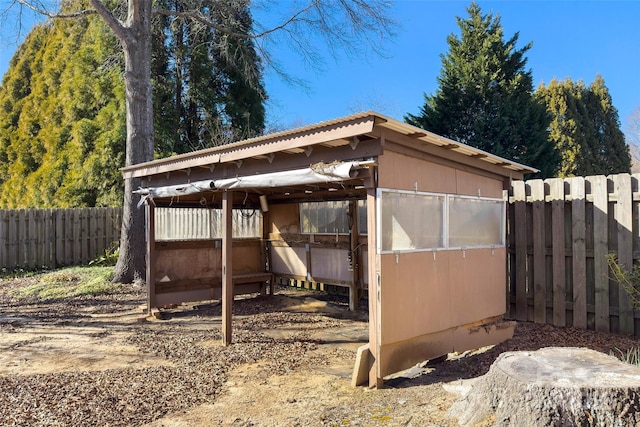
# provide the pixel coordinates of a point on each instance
(553, 387)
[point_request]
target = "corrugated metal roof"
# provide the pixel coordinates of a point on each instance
(294, 139)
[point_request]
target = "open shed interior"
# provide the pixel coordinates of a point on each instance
(364, 202)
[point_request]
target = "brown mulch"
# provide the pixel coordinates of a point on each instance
(197, 372)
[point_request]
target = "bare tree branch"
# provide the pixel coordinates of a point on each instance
(339, 27)
(110, 19)
(198, 16)
(40, 8)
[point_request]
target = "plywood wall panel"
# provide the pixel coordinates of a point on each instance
(471, 184)
(477, 284)
(289, 261)
(183, 262)
(284, 219)
(247, 259)
(415, 296)
(406, 173)
(330, 263)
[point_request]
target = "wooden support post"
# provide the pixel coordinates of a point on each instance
(264, 253)
(227, 266)
(375, 325)
(151, 256)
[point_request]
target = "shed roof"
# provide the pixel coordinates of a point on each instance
(331, 133)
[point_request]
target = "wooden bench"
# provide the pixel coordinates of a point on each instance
(206, 287)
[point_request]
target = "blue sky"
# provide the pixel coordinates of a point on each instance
(576, 39)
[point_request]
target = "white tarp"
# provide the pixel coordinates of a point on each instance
(175, 190)
(315, 174)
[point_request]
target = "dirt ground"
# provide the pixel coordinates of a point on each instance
(91, 361)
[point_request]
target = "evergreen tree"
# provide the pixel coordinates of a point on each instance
(62, 110)
(62, 128)
(585, 128)
(202, 96)
(485, 96)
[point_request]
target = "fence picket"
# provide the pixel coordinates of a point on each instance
(88, 236)
(4, 238)
(539, 262)
(30, 240)
(93, 236)
(12, 247)
(579, 260)
(59, 230)
(624, 222)
(556, 187)
(22, 238)
(50, 238)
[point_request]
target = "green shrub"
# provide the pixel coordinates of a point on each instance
(109, 258)
(629, 281)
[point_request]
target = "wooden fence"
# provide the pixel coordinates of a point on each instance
(560, 232)
(50, 238)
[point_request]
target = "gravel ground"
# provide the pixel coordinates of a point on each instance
(197, 368)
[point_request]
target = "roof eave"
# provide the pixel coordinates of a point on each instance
(344, 127)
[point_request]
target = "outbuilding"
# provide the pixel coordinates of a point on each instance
(413, 220)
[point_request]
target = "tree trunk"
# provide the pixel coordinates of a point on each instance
(553, 387)
(136, 42)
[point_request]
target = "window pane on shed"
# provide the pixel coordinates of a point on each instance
(411, 221)
(324, 217)
(199, 223)
(182, 224)
(475, 222)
